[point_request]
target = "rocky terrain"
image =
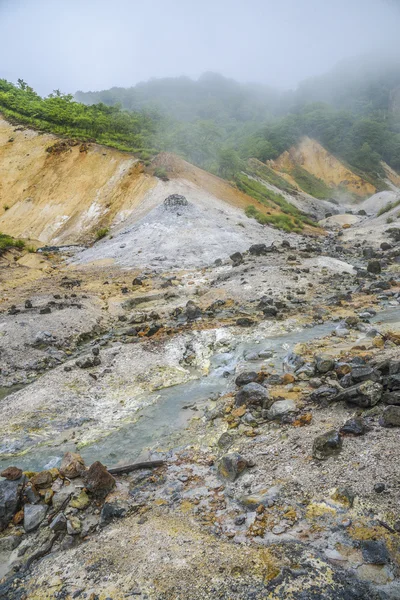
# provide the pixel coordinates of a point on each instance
(197, 406)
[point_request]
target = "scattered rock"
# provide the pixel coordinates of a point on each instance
(365, 394)
(236, 258)
(326, 445)
(231, 465)
(225, 441)
(110, 511)
(11, 473)
(390, 416)
(98, 480)
(88, 361)
(354, 426)
(245, 378)
(42, 480)
(324, 363)
(244, 322)
(72, 465)
(33, 516)
(375, 552)
(59, 523)
(9, 500)
(253, 394)
(281, 408)
(374, 266)
(80, 501)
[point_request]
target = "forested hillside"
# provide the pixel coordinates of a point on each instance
(354, 111)
(217, 123)
(60, 114)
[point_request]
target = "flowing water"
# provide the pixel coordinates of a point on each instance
(173, 407)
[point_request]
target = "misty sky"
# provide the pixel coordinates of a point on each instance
(95, 44)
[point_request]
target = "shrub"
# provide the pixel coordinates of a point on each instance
(161, 173)
(7, 242)
(101, 233)
(388, 207)
(6, 207)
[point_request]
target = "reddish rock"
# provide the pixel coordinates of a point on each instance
(11, 473)
(98, 480)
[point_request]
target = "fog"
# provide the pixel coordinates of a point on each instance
(96, 44)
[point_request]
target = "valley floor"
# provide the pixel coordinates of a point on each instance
(135, 364)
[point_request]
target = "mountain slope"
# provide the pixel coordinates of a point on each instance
(68, 193)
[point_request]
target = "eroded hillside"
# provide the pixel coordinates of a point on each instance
(312, 157)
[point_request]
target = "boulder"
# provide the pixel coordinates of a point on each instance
(33, 516)
(59, 523)
(236, 258)
(42, 480)
(353, 426)
(390, 416)
(98, 480)
(374, 266)
(111, 511)
(225, 440)
(281, 408)
(260, 249)
(391, 397)
(88, 361)
(192, 311)
(292, 362)
(244, 322)
(365, 394)
(245, 378)
(253, 394)
(324, 363)
(374, 552)
(326, 445)
(231, 465)
(72, 465)
(9, 500)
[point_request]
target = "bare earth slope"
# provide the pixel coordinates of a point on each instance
(312, 157)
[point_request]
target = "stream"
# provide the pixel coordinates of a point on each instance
(171, 409)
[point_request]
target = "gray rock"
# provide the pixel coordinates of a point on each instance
(231, 465)
(365, 394)
(253, 394)
(391, 397)
(245, 378)
(342, 332)
(375, 552)
(9, 499)
(59, 523)
(9, 543)
(374, 266)
(236, 258)
(292, 362)
(354, 426)
(390, 416)
(111, 511)
(33, 516)
(280, 408)
(324, 363)
(326, 445)
(86, 362)
(225, 441)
